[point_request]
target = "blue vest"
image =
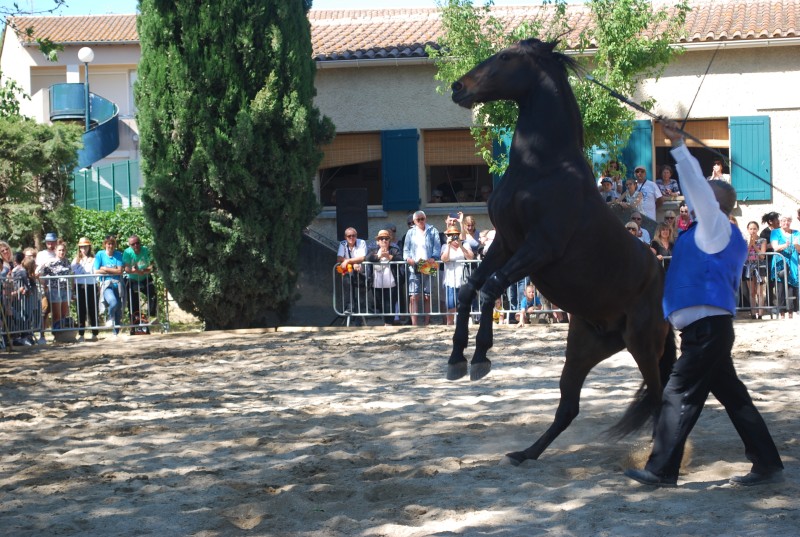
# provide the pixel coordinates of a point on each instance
(696, 278)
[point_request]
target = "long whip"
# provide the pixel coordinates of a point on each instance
(640, 108)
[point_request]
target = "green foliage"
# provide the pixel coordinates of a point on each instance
(35, 165)
(10, 95)
(229, 141)
(122, 223)
(622, 58)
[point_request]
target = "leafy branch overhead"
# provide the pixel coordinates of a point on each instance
(28, 33)
(627, 42)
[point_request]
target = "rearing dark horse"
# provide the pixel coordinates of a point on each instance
(553, 225)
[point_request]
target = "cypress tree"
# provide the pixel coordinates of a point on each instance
(230, 142)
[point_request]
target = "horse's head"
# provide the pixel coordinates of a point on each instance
(511, 74)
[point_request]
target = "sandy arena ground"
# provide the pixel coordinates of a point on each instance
(355, 432)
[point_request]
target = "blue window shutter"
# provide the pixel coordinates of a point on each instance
(600, 158)
(500, 148)
(400, 168)
(750, 152)
(639, 150)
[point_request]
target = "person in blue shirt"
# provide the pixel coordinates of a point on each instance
(700, 300)
(109, 265)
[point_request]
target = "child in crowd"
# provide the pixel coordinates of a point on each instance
(528, 306)
(497, 313)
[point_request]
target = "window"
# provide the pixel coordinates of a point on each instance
(712, 132)
(351, 161)
(453, 169)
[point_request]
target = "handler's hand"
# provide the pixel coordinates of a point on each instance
(672, 131)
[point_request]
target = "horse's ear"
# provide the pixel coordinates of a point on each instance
(550, 46)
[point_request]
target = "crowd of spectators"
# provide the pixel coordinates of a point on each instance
(414, 288)
(422, 272)
(45, 289)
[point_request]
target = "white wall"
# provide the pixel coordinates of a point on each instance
(383, 98)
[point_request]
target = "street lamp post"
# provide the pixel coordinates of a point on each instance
(86, 55)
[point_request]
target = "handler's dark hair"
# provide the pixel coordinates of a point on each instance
(725, 194)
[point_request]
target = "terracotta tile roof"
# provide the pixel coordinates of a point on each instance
(86, 29)
(404, 33)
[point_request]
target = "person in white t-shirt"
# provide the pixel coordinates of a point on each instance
(352, 252)
(651, 194)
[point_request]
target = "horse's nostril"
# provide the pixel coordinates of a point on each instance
(456, 86)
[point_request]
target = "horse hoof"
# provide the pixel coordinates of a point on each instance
(457, 370)
(514, 459)
(479, 370)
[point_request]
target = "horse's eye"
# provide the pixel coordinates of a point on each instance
(505, 56)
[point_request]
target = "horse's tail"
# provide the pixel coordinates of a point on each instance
(644, 407)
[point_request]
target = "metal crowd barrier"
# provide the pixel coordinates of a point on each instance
(22, 309)
(356, 297)
(360, 295)
(771, 290)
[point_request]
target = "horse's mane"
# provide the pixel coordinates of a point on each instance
(547, 50)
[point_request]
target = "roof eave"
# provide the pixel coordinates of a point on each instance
(85, 43)
(740, 43)
(377, 62)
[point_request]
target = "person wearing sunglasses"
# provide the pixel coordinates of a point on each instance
(352, 252)
(684, 218)
(139, 266)
(651, 194)
(454, 254)
(421, 244)
(385, 274)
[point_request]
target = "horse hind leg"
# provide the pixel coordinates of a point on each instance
(585, 349)
(653, 348)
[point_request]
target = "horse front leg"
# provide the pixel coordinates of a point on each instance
(491, 290)
(457, 364)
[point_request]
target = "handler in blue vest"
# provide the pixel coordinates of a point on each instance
(700, 301)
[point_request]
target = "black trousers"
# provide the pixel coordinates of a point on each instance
(135, 288)
(786, 303)
(705, 365)
(87, 306)
(385, 299)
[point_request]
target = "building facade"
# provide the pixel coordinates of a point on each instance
(404, 142)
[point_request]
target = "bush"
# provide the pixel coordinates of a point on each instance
(121, 223)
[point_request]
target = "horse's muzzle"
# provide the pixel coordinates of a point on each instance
(460, 95)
